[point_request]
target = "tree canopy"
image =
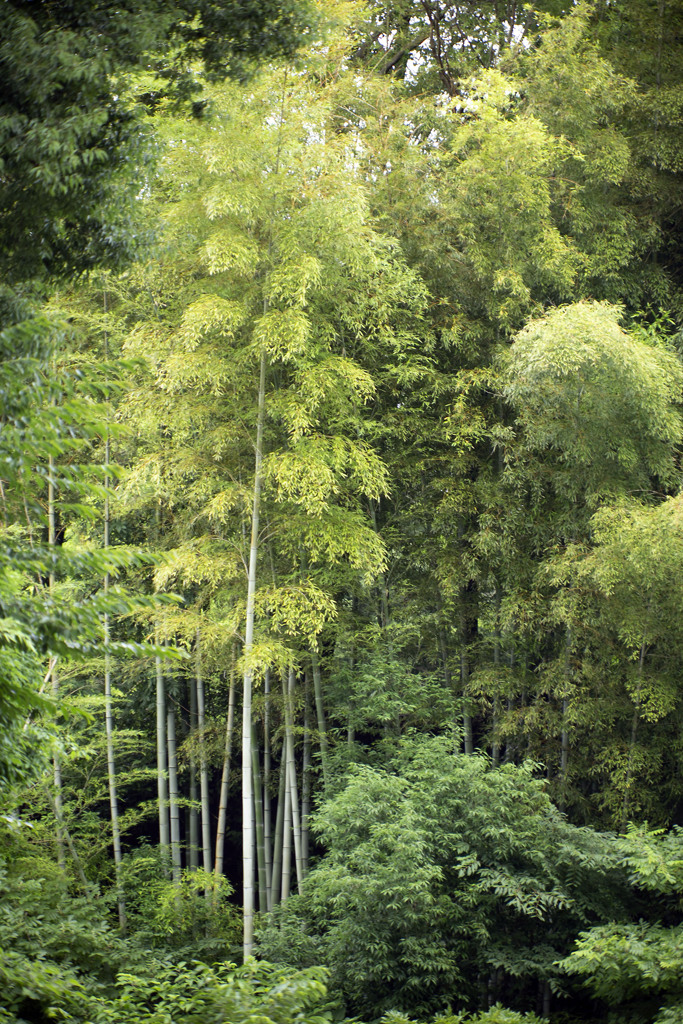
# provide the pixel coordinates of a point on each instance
(341, 421)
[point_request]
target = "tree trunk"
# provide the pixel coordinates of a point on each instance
(276, 880)
(173, 796)
(247, 788)
(258, 817)
(54, 678)
(632, 744)
(305, 782)
(193, 817)
(291, 776)
(225, 778)
(203, 767)
(495, 746)
(267, 836)
(109, 723)
(162, 767)
(320, 716)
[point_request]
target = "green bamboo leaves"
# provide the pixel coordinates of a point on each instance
(601, 401)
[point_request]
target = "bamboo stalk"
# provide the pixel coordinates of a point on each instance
(632, 744)
(108, 708)
(109, 730)
(203, 767)
(276, 880)
(162, 765)
(495, 746)
(173, 796)
(286, 833)
(258, 817)
(54, 678)
(225, 778)
(267, 837)
(247, 788)
(193, 845)
(320, 715)
(291, 775)
(305, 782)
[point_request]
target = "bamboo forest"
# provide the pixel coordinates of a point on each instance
(341, 511)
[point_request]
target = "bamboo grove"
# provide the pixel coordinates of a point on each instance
(340, 590)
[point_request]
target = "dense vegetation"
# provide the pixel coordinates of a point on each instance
(341, 619)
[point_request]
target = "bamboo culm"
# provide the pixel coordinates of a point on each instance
(54, 678)
(225, 778)
(320, 715)
(276, 878)
(632, 744)
(286, 833)
(193, 845)
(258, 819)
(173, 797)
(162, 766)
(305, 783)
(109, 722)
(247, 788)
(291, 776)
(267, 836)
(203, 767)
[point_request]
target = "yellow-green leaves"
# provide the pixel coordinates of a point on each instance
(231, 250)
(297, 612)
(497, 197)
(210, 317)
(318, 468)
(281, 262)
(330, 387)
(599, 399)
(283, 333)
(290, 281)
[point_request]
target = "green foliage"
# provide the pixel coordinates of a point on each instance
(496, 1014)
(51, 416)
(600, 402)
(43, 920)
(193, 918)
(72, 137)
(59, 956)
(636, 968)
(221, 993)
(470, 523)
(437, 872)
